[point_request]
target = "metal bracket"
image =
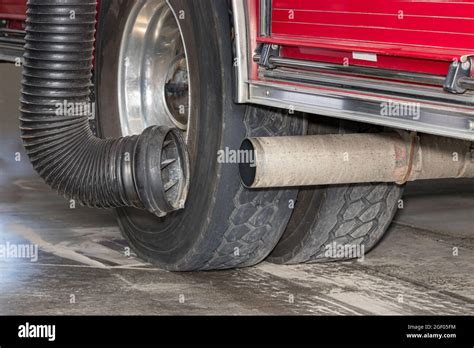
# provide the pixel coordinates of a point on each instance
(265, 15)
(267, 51)
(457, 71)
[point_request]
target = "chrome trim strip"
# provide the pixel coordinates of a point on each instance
(365, 71)
(432, 118)
(467, 83)
(242, 57)
(364, 84)
(11, 53)
(12, 44)
(265, 20)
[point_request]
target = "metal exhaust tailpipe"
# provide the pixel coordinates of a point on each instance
(354, 158)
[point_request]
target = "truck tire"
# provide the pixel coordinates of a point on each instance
(223, 224)
(337, 223)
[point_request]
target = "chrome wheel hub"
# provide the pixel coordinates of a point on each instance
(153, 82)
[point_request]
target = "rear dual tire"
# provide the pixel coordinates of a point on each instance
(223, 224)
(339, 222)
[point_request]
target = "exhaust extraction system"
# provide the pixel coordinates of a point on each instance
(354, 158)
(148, 171)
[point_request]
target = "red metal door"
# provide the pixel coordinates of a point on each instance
(413, 35)
(13, 9)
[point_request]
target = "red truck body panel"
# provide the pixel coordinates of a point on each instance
(13, 9)
(413, 35)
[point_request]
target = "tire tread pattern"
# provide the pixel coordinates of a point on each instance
(363, 215)
(259, 217)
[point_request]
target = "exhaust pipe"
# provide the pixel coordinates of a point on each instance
(354, 158)
(148, 171)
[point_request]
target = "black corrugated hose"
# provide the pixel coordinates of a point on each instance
(102, 173)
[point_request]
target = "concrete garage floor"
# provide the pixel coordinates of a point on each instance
(82, 268)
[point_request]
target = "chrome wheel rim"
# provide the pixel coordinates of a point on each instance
(153, 78)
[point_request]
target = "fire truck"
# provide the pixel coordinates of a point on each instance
(232, 132)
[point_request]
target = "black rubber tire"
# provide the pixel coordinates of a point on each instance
(348, 215)
(223, 224)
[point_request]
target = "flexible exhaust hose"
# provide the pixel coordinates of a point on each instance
(148, 171)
